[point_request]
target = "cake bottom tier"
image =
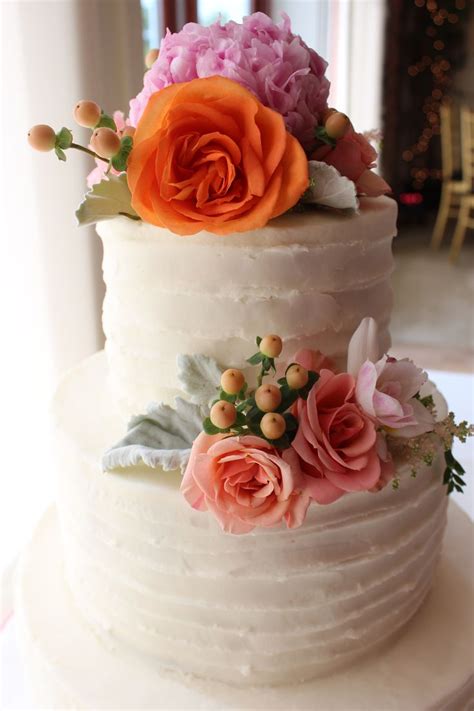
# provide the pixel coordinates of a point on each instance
(428, 667)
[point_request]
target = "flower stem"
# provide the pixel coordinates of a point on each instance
(87, 150)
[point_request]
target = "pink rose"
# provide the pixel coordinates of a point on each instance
(313, 360)
(386, 391)
(336, 442)
(245, 483)
(386, 387)
(353, 156)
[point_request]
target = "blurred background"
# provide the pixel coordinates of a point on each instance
(402, 69)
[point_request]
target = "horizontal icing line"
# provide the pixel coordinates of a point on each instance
(115, 303)
(116, 286)
(306, 649)
(134, 585)
(299, 533)
(296, 631)
(266, 538)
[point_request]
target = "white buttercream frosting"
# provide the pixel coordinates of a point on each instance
(309, 277)
(272, 607)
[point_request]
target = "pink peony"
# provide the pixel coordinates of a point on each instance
(313, 360)
(245, 483)
(353, 156)
(336, 442)
(386, 387)
(266, 58)
(98, 174)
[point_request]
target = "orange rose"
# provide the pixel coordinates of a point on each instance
(207, 155)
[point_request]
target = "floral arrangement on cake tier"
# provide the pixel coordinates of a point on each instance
(231, 129)
(257, 457)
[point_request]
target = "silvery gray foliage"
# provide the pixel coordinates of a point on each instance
(329, 188)
(199, 377)
(162, 437)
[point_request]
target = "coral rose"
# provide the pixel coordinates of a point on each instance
(245, 483)
(207, 155)
(353, 156)
(313, 360)
(336, 442)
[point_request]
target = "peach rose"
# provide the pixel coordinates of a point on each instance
(353, 156)
(314, 360)
(245, 483)
(336, 442)
(207, 155)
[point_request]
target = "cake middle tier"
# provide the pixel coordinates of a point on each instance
(309, 277)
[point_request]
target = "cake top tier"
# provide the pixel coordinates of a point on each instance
(231, 129)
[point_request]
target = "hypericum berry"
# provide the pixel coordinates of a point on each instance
(273, 425)
(151, 57)
(105, 142)
(87, 113)
(271, 346)
(337, 125)
(326, 114)
(223, 414)
(296, 376)
(127, 131)
(42, 137)
(232, 381)
(268, 397)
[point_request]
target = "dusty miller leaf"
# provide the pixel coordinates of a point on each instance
(199, 377)
(162, 437)
(329, 188)
(107, 199)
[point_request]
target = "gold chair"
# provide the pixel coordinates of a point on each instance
(467, 201)
(453, 187)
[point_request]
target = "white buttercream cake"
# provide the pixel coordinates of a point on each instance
(251, 496)
(154, 581)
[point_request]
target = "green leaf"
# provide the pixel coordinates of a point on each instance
(120, 160)
(321, 135)
(209, 428)
(107, 121)
(289, 397)
(107, 199)
(241, 394)
(63, 138)
(227, 397)
(291, 422)
(255, 359)
(60, 153)
(427, 401)
(241, 420)
(282, 442)
(258, 341)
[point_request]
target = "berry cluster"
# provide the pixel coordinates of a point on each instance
(107, 143)
(264, 412)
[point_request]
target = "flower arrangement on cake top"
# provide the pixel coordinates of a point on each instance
(254, 457)
(231, 129)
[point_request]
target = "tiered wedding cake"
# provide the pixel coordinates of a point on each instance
(170, 592)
